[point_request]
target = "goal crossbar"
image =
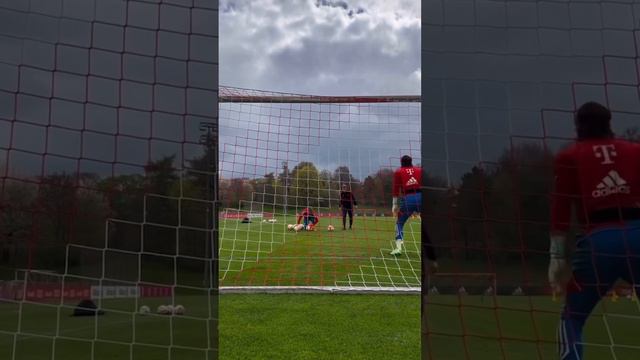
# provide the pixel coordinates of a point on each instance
(237, 95)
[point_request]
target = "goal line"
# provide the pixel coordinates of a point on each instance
(317, 290)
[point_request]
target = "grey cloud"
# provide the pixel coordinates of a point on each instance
(318, 48)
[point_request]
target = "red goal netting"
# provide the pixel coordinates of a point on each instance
(283, 153)
(501, 81)
(108, 123)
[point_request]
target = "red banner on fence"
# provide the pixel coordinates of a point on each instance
(34, 291)
(244, 214)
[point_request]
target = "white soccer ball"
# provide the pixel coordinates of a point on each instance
(144, 309)
(330, 228)
(178, 310)
(309, 227)
(290, 227)
(298, 227)
(162, 310)
(170, 309)
(272, 220)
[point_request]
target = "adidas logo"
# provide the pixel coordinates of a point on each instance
(611, 184)
(412, 181)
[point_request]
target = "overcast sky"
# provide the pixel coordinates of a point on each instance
(338, 47)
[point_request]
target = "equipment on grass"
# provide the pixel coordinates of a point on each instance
(290, 227)
(330, 228)
(298, 227)
(179, 310)
(144, 309)
(87, 307)
(163, 310)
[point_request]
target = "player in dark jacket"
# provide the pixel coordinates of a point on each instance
(347, 203)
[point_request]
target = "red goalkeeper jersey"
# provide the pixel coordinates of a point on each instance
(308, 213)
(595, 175)
(406, 180)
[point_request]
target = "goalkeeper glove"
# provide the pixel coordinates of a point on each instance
(558, 266)
(394, 208)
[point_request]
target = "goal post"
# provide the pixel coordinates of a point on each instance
(289, 153)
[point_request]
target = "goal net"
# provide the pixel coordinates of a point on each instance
(501, 82)
(108, 123)
(281, 154)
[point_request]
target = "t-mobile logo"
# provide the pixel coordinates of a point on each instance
(605, 152)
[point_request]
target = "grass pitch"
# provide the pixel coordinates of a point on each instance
(316, 326)
(262, 253)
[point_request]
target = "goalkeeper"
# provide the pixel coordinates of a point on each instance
(599, 177)
(308, 218)
(407, 197)
(347, 203)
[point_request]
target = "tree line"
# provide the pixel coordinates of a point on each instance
(496, 212)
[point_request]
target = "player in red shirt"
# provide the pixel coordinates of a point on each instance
(599, 177)
(308, 218)
(407, 197)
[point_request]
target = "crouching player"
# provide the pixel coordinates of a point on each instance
(308, 219)
(599, 176)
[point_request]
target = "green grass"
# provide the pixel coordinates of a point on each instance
(107, 337)
(522, 327)
(267, 254)
(325, 326)
(317, 326)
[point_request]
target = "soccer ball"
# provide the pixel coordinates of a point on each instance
(144, 309)
(170, 309)
(290, 227)
(163, 310)
(309, 227)
(178, 310)
(272, 220)
(330, 228)
(298, 227)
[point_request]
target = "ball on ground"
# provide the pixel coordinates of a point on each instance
(290, 227)
(298, 227)
(330, 228)
(144, 309)
(179, 310)
(162, 310)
